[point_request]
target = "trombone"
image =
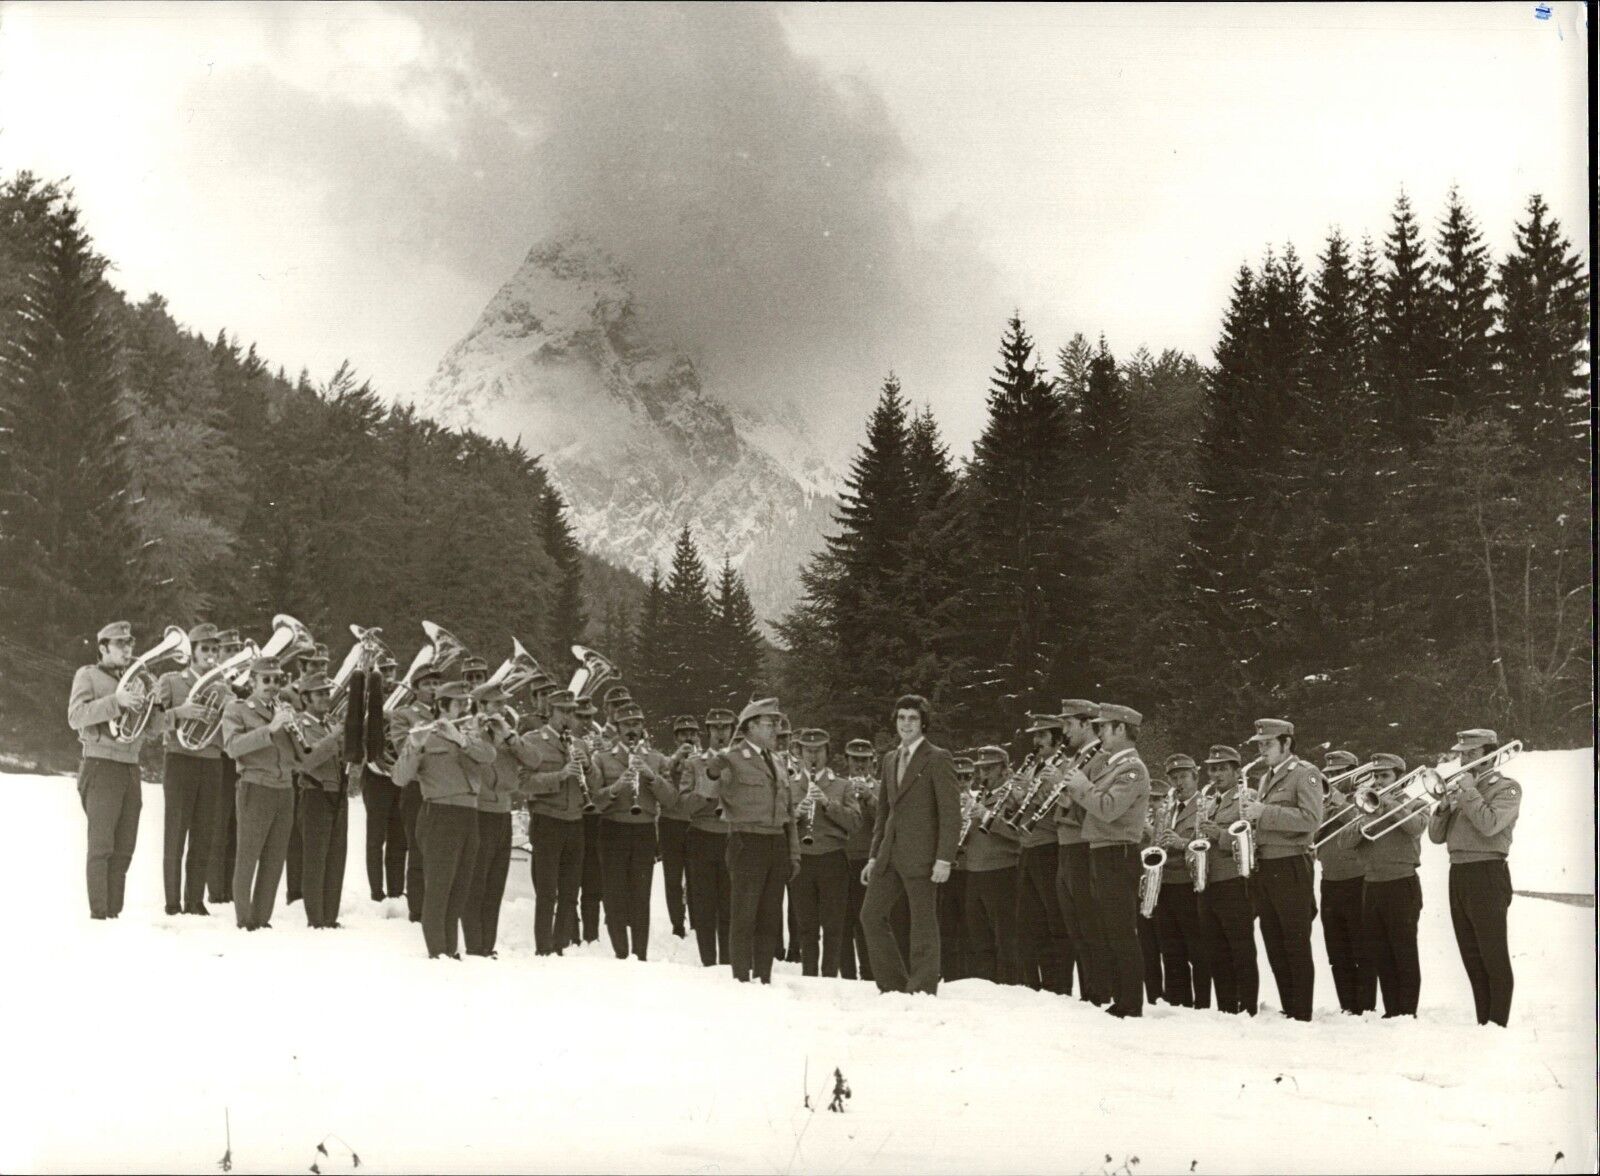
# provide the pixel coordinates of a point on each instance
(1364, 801)
(1435, 787)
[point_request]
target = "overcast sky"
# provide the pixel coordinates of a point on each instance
(811, 195)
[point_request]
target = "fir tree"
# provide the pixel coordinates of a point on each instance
(1410, 402)
(647, 668)
(1466, 319)
(736, 645)
(686, 631)
(564, 615)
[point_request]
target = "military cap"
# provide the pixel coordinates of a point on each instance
(1340, 761)
(486, 693)
(586, 707)
(386, 664)
(452, 690)
(1181, 763)
(1385, 759)
(115, 631)
(859, 748)
(1221, 753)
(1271, 729)
(541, 681)
(757, 708)
(265, 665)
(474, 663)
(428, 671)
(617, 693)
(629, 712)
(311, 683)
(685, 723)
(964, 765)
(563, 700)
(992, 753)
(1475, 738)
(1044, 723)
(1110, 712)
(1079, 708)
(204, 632)
(230, 639)
(319, 652)
(717, 715)
(812, 737)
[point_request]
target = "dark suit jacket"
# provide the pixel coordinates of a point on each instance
(919, 817)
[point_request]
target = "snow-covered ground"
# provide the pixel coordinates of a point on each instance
(129, 1044)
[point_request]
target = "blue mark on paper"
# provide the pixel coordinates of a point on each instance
(1541, 11)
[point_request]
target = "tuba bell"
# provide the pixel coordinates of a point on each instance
(516, 671)
(596, 671)
(214, 691)
(129, 724)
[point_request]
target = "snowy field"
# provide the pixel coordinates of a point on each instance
(130, 1044)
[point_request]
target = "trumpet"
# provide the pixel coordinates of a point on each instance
(1079, 758)
(1435, 788)
(128, 724)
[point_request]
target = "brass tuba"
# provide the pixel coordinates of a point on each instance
(516, 671)
(364, 654)
(129, 724)
(214, 691)
(443, 648)
(596, 671)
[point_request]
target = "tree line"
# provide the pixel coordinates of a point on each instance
(1369, 514)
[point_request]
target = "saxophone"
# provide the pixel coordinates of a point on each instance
(1196, 854)
(1154, 858)
(1242, 831)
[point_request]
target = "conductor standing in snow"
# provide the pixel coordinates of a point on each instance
(913, 845)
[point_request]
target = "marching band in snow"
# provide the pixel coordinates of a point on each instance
(1073, 871)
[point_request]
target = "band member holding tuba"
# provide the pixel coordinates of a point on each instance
(225, 826)
(989, 860)
(556, 777)
(1475, 819)
(672, 826)
(1343, 871)
(1227, 921)
(191, 780)
(1286, 815)
(706, 844)
(1084, 942)
(633, 784)
(386, 828)
(1177, 917)
(419, 710)
(859, 759)
(298, 665)
(825, 816)
(257, 733)
(324, 805)
(497, 788)
(1391, 897)
(108, 777)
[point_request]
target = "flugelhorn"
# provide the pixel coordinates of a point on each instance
(128, 724)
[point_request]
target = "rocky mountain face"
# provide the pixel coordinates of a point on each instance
(563, 357)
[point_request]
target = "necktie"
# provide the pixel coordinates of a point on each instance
(905, 759)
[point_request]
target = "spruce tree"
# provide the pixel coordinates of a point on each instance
(1466, 320)
(564, 612)
(688, 653)
(1411, 401)
(647, 670)
(738, 652)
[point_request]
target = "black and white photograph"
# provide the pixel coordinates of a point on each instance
(797, 588)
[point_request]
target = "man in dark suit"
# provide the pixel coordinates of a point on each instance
(913, 844)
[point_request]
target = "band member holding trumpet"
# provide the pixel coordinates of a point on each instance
(1227, 921)
(858, 758)
(633, 784)
(1186, 976)
(989, 859)
(672, 827)
(324, 805)
(1285, 815)
(191, 780)
(257, 732)
(108, 777)
(825, 816)
(557, 776)
(1391, 900)
(225, 825)
(706, 845)
(1343, 870)
(497, 787)
(1475, 817)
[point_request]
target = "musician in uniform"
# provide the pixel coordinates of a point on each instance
(256, 734)
(225, 824)
(1475, 821)
(763, 846)
(437, 758)
(418, 710)
(783, 749)
(1083, 943)
(1391, 899)
(1286, 813)
(108, 776)
(589, 884)
(953, 894)
(1043, 953)
(1177, 915)
(1227, 920)
(615, 698)
(706, 845)
(191, 781)
(858, 758)
(672, 827)
(989, 860)
(298, 666)
(474, 672)
(825, 816)
(324, 804)
(1155, 985)
(1343, 870)
(556, 776)
(497, 788)
(386, 829)
(632, 777)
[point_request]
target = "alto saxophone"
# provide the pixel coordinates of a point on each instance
(1154, 858)
(1196, 854)
(1243, 834)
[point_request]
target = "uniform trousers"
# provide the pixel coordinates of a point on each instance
(1228, 939)
(1183, 959)
(324, 843)
(952, 930)
(1390, 911)
(1044, 951)
(292, 863)
(758, 867)
(111, 799)
(449, 837)
(191, 785)
(416, 877)
(853, 961)
(1155, 986)
(486, 889)
(590, 887)
(670, 835)
(820, 898)
(558, 853)
(706, 855)
(627, 869)
(1114, 875)
(1348, 959)
(265, 816)
(888, 889)
(991, 924)
(224, 837)
(386, 836)
(1285, 903)
(1480, 895)
(1075, 895)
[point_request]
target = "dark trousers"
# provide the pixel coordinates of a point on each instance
(1286, 905)
(386, 836)
(1183, 958)
(1228, 938)
(853, 961)
(491, 865)
(590, 887)
(265, 815)
(1480, 894)
(886, 890)
(110, 794)
(991, 924)
(416, 878)
(1390, 911)
(671, 834)
(1075, 895)
(191, 786)
(558, 854)
(1044, 951)
(324, 841)
(820, 898)
(710, 904)
(224, 837)
(1114, 875)
(1155, 986)
(758, 867)
(449, 837)
(952, 900)
(627, 868)
(1342, 934)
(292, 862)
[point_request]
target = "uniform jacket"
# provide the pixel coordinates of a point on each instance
(320, 767)
(999, 848)
(696, 799)
(497, 780)
(441, 767)
(838, 813)
(262, 756)
(654, 787)
(919, 817)
(173, 690)
(676, 806)
(858, 846)
(1479, 827)
(542, 777)
(753, 799)
(1292, 796)
(1177, 867)
(1342, 858)
(1396, 854)
(1116, 802)
(1221, 864)
(90, 708)
(1069, 814)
